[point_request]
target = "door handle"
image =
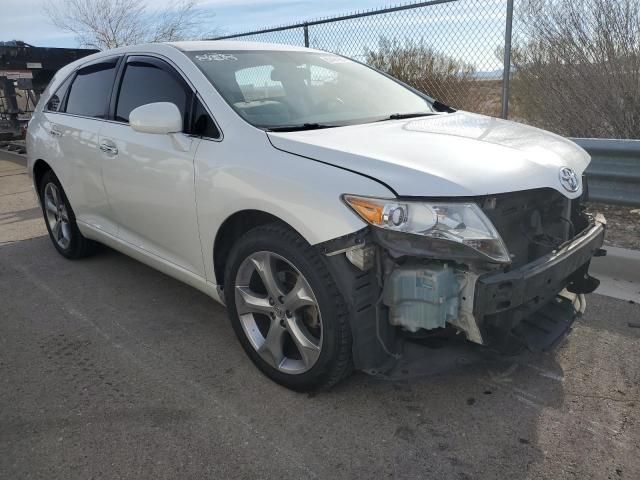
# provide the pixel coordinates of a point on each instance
(108, 147)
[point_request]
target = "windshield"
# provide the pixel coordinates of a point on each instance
(272, 89)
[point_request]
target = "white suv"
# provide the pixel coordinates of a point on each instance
(337, 212)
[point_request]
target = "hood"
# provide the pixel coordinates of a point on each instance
(444, 155)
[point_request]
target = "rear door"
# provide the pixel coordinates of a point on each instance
(149, 178)
(74, 116)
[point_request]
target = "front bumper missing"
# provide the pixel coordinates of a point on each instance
(537, 303)
(533, 305)
(545, 328)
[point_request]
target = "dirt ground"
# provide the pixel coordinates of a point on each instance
(623, 225)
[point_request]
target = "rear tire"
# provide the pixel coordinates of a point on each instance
(61, 221)
(286, 309)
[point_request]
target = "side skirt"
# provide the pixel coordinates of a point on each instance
(154, 261)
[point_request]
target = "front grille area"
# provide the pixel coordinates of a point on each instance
(532, 223)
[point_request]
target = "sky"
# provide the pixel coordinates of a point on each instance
(24, 19)
(471, 31)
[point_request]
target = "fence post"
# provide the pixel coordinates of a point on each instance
(506, 73)
(306, 35)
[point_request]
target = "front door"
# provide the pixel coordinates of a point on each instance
(149, 178)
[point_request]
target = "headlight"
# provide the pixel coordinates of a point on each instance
(461, 223)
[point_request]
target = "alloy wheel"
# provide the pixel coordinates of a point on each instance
(278, 312)
(57, 215)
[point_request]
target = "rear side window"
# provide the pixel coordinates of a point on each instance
(91, 89)
(55, 102)
(150, 81)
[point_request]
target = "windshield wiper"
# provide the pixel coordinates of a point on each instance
(401, 116)
(441, 107)
(298, 128)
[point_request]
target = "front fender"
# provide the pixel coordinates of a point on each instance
(301, 192)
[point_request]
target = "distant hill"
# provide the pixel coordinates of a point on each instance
(489, 75)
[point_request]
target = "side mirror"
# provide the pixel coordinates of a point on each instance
(160, 117)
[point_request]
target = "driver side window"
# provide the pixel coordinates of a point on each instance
(150, 81)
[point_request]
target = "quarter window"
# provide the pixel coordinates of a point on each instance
(55, 102)
(91, 89)
(203, 125)
(144, 83)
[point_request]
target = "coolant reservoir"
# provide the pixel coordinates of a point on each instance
(422, 296)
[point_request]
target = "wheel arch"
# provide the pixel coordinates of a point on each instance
(40, 167)
(233, 227)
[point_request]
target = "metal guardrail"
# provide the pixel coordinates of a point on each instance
(614, 172)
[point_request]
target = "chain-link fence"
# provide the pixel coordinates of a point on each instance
(562, 53)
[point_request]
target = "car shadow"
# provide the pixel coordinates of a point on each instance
(20, 216)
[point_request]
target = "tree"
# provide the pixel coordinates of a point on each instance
(577, 67)
(105, 24)
(417, 64)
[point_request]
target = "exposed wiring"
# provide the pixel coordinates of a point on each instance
(379, 273)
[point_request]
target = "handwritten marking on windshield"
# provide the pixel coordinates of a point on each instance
(216, 57)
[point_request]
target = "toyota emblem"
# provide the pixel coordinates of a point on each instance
(569, 179)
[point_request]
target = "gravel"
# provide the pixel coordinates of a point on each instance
(623, 224)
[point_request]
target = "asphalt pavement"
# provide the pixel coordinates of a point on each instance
(109, 369)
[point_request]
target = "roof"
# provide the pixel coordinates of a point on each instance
(201, 45)
(235, 45)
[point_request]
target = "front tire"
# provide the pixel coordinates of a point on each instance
(286, 309)
(61, 221)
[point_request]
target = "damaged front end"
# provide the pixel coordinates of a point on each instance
(516, 280)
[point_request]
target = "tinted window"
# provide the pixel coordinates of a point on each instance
(91, 89)
(144, 83)
(202, 123)
(55, 102)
